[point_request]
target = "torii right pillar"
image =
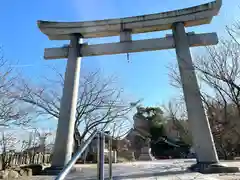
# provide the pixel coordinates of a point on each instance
(207, 158)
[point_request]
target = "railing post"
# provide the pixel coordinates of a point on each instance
(110, 157)
(101, 145)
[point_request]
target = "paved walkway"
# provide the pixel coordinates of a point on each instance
(162, 170)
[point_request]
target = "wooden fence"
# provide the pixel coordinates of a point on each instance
(17, 159)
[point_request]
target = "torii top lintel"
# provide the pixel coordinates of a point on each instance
(192, 16)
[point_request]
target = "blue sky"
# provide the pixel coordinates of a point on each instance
(145, 76)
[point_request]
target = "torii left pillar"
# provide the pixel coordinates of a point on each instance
(64, 141)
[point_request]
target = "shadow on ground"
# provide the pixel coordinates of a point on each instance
(139, 175)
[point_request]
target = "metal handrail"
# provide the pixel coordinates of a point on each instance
(101, 144)
(101, 155)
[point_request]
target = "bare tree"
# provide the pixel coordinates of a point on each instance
(234, 31)
(7, 143)
(99, 102)
(174, 76)
(220, 70)
(224, 122)
(176, 113)
(120, 129)
(11, 112)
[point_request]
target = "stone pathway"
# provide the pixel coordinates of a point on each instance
(235, 176)
(162, 170)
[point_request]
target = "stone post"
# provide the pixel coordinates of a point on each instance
(63, 147)
(145, 152)
(101, 156)
(198, 123)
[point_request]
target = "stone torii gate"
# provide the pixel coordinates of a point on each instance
(125, 27)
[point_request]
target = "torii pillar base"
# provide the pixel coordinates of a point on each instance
(54, 170)
(212, 168)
